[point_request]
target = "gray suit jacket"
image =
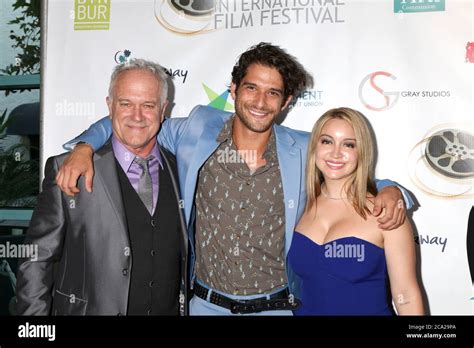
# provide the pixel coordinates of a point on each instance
(84, 258)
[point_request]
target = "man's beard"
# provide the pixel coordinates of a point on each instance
(254, 126)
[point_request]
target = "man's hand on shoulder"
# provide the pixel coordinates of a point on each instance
(390, 199)
(79, 162)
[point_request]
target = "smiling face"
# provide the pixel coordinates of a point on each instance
(136, 110)
(336, 152)
(259, 98)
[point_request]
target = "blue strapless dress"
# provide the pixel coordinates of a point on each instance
(347, 276)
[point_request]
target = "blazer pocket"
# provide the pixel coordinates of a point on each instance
(68, 304)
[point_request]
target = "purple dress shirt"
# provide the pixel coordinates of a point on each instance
(133, 170)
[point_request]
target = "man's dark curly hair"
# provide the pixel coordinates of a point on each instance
(295, 78)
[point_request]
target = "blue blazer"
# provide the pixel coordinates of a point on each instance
(193, 139)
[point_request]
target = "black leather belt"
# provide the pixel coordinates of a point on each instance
(278, 301)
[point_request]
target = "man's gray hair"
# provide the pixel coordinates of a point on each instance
(142, 64)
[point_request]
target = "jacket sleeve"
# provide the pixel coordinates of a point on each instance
(46, 234)
(96, 135)
(406, 196)
(173, 129)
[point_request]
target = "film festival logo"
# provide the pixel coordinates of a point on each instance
(189, 17)
(410, 6)
(91, 14)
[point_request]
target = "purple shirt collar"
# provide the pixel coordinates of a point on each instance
(125, 157)
(133, 170)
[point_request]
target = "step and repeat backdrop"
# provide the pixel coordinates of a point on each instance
(406, 64)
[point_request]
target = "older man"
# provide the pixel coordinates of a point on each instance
(123, 248)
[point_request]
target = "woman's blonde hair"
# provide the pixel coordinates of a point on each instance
(361, 182)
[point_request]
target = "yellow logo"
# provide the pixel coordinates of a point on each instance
(91, 14)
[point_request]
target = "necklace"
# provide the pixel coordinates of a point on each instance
(334, 198)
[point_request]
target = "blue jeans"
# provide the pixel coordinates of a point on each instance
(199, 306)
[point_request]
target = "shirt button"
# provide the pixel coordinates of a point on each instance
(125, 271)
(153, 222)
(153, 252)
(151, 283)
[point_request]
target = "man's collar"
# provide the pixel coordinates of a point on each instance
(126, 157)
(226, 135)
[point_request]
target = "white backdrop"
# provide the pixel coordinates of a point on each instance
(406, 64)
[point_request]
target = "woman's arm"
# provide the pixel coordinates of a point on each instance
(401, 264)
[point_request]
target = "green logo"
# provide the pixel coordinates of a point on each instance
(407, 6)
(218, 101)
(91, 14)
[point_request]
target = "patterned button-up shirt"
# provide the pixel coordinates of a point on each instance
(240, 221)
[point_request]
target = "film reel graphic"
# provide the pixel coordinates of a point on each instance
(185, 17)
(194, 7)
(451, 152)
(447, 151)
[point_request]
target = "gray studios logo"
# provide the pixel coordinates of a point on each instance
(376, 98)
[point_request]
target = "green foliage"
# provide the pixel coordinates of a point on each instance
(19, 177)
(4, 121)
(26, 39)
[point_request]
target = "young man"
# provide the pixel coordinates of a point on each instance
(240, 216)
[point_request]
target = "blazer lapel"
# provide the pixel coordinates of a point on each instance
(106, 172)
(290, 162)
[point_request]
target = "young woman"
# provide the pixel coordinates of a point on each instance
(338, 250)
